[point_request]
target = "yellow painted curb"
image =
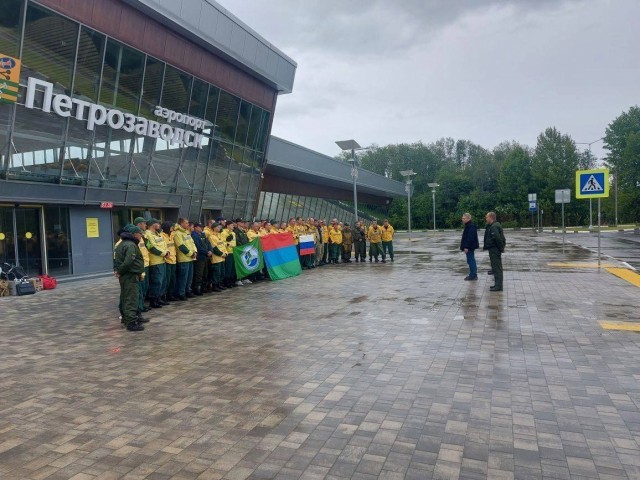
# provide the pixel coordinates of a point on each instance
(626, 274)
(578, 265)
(628, 326)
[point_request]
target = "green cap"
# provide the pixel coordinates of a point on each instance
(151, 221)
(139, 220)
(132, 229)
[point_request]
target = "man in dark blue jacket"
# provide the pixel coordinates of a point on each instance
(469, 244)
(202, 259)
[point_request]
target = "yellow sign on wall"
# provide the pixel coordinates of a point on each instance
(9, 78)
(93, 228)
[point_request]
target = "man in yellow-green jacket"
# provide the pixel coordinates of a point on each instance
(374, 235)
(219, 247)
(169, 284)
(387, 240)
(158, 253)
(335, 242)
(186, 254)
(141, 223)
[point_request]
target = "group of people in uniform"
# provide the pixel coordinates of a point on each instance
(165, 262)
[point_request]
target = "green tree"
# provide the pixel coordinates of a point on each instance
(554, 166)
(621, 139)
(515, 183)
(629, 186)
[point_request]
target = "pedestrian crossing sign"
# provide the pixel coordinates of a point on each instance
(592, 183)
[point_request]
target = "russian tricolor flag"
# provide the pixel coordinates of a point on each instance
(307, 245)
(280, 255)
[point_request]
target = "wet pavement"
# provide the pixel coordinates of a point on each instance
(624, 246)
(353, 371)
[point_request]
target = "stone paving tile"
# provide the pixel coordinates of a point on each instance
(349, 372)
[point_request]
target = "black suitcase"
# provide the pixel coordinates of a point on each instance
(24, 288)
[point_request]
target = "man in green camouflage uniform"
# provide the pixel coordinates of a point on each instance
(129, 265)
(494, 242)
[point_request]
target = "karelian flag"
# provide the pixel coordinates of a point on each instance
(307, 245)
(280, 255)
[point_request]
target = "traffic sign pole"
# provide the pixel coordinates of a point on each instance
(598, 232)
(563, 228)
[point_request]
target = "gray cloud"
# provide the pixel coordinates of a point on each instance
(484, 70)
(367, 27)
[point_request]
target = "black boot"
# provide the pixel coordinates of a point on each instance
(135, 327)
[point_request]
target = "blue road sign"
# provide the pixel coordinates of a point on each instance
(592, 183)
(532, 206)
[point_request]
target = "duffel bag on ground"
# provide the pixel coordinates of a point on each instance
(48, 283)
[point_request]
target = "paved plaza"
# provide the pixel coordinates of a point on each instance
(360, 371)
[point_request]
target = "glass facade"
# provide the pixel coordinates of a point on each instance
(87, 66)
(282, 207)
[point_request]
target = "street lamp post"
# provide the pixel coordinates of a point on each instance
(433, 187)
(352, 145)
(590, 200)
(407, 174)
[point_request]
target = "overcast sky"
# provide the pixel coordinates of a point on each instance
(484, 70)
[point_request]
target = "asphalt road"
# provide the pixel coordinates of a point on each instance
(624, 246)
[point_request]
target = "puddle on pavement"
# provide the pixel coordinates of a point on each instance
(360, 299)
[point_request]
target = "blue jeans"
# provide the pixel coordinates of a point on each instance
(473, 267)
(184, 273)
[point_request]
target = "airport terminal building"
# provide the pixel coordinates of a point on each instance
(112, 109)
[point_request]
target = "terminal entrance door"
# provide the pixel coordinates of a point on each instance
(20, 238)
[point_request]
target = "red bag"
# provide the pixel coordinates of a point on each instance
(48, 283)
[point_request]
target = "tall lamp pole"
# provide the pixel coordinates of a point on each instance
(590, 200)
(407, 174)
(433, 187)
(346, 145)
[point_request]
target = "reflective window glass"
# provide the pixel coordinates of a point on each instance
(49, 48)
(152, 87)
(7, 242)
(49, 54)
(243, 123)
(122, 76)
(58, 241)
(177, 90)
(212, 108)
(90, 52)
(264, 131)
(110, 161)
(10, 22)
(227, 118)
(198, 103)
(254, 127)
